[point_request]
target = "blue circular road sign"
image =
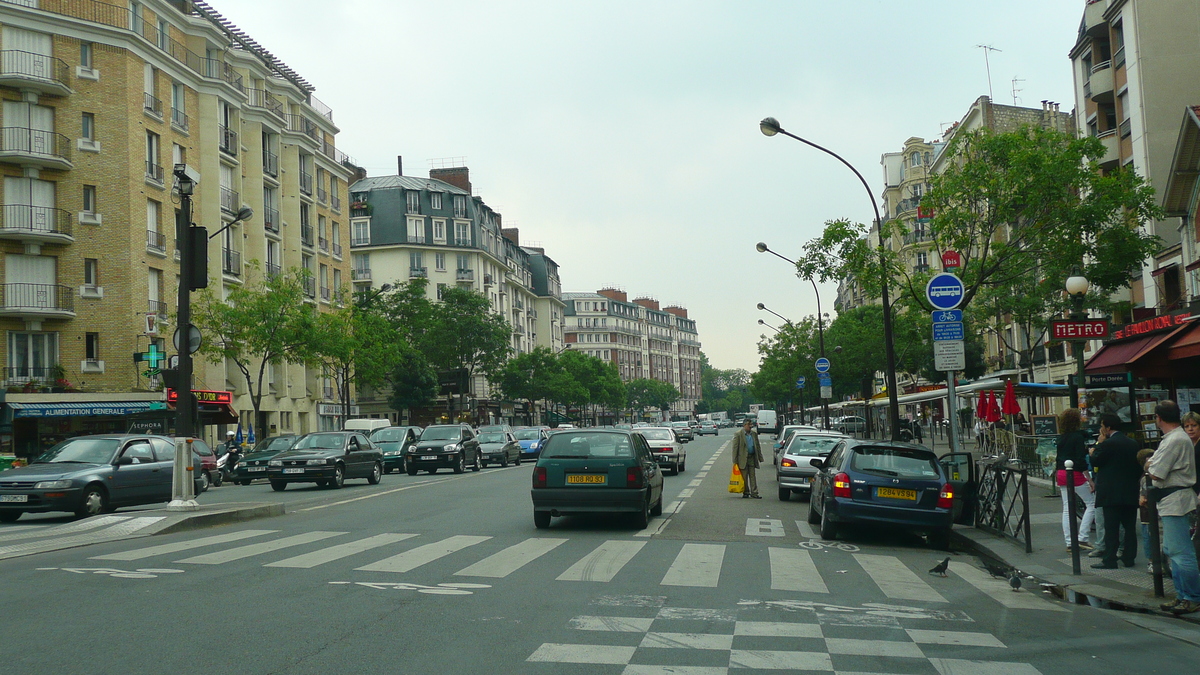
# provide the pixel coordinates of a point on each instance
(822, 365)
(945, 291)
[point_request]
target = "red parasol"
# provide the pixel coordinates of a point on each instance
(1010, 405)
(981, 410)
(993, 411)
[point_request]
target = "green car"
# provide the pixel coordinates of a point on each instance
(254, 464)
(393, 441)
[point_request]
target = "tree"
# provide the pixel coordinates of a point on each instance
(464, 336)
(530, 376)
(645, 394)
(598, 378)
(266, 320)
(414, 382)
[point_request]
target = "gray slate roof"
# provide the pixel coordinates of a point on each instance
(406, 182)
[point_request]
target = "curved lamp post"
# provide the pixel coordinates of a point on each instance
(764, 323)
(820, 331)
(769, 127)
(1077, 287)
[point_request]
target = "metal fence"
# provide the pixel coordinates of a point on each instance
(1002, 501)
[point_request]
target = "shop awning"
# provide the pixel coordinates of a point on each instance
(1118, 357)
(78, 409)
(1187, 345)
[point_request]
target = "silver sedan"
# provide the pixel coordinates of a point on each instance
(795, 471)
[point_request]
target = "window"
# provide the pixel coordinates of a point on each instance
(439, 231)
(87, 128)
(322, 239)
(91, 346)
(31, 356)
(164, 34)
(460, 206)
(414, 201)
(435, 201)
(441, 290)
(361, 262)
(922, 259)
(416, 260)
(416, 230)
(153, 168)
(85, 55)
(178, 106)
(915, 159)
(91, 272)
(154, 290)
(462, 234)
(89, 198)
(439, 261)
(360, 232)
(464, 262)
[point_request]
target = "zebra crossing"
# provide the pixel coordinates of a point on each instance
(695, 565)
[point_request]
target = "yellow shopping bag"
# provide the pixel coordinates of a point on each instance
(737, 484)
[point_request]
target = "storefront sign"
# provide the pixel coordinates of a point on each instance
(157, 426)
(1106, 380)
(203, 396)
(1154, 325)
(78, 409)
(335, 409)
(1079, 329)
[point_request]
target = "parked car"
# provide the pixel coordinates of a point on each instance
(850, 424)
(885, 483)
(683, 431)
(393, 442)
(784, 434)
(89, 475)
(254, 463)
(595, 471)
(667, 449)
(326, 458)
(365, 425)
(210, 473)
(707, 428)
(531, 439)
(444, 446)
(794, 470)
(498, 447)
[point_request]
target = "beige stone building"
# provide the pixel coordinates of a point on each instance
(97, 108)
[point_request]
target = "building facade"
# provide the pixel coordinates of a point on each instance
(97, 108)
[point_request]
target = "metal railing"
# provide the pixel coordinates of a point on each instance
(36, 219)
(306, 183)
(464, 275)
(228, 140)
(18, 63)
(231, 262)
(154, 171)
(270, 163)
(302, 125)
(40, 142)
(271, 220)
(917, 237)
(1002, 501)
(322, 194)
(152, 105)
(156, 241)
(325, 294)
(359, 240)
(272, 269)
(158, 307)
(360, 274)
(261, 98)
(18, 375)
(335, 202)
(310, 287)
(18, 296)
(1125, 128)
(306, 234)
(415, 272)
(337, 250)
(229, 200)
(179, 118)
(323, 243)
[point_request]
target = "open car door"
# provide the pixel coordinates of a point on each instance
(960, 473)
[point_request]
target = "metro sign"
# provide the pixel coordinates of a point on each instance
(203, 396)
(1086, 329)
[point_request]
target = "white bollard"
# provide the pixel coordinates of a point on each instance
(183, 496)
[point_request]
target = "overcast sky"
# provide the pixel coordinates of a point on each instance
(623, 136)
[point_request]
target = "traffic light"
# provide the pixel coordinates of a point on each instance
(170, 378)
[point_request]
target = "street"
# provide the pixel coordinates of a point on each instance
(447, 574)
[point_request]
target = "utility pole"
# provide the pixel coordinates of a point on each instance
(183, 490)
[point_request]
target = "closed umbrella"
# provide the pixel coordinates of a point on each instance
(1010, 407)
(238, 438)
(981, 410)
(250, 436)
(994, 414)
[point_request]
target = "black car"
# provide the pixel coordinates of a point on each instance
(394, 442)
(254, 463)
(444, 446)
(326, 458)
(89, 475)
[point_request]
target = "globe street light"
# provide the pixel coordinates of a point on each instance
(769, 127)
(1077, 287)
(764, 323)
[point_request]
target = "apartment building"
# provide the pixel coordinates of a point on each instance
(97, 108)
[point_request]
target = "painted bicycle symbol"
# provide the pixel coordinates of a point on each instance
(946, 316)
(814, 545)
(440, 589)
(141, 573)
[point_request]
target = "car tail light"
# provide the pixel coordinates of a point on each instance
(634, 477)
(787, 462)
(946, 497)
(841, 485)
(539, 477)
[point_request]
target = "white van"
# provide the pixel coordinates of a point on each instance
(767, 421)
(366, 424)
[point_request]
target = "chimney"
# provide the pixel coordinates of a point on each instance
(676, 310)
(399, 165)
(648, 303)
(459, 177)
(614, 294)
(512, 234)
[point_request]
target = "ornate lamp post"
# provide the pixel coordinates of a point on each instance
(1077, 287)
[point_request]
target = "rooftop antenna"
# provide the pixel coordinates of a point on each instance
(986, 64)
(1015, 80)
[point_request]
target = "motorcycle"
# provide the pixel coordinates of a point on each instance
(227, 466)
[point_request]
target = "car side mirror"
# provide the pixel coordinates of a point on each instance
(124, 460)
(817, 462)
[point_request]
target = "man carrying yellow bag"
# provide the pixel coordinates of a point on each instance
(747, 455)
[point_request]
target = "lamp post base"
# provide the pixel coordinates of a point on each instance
(183, 505)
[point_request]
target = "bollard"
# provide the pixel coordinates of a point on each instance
(1071, 506)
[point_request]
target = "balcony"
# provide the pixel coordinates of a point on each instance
(917, 237)
(335, 202)
(270, 164)
(302, 125)
(17, 376)
(228, 140)
(41, 224)
(306, 183)
(152, 105)
(271, 220)
(363, 274)
(310, 287)
(909, 204)
(231, 262)
(179, 119)
(35, 147)
(418, 272)
(154, 172)
(264, 100)
(920, 269)
(1112, 149)
(323, 243)
(28, 71)
(273, 270)
(337, 250)
(464, 276)
(158, 307)
(306, 234)
(1093, 20)
(322, 194)
(230, 200)
(37, 301)
(156, 242)
(1101, 83)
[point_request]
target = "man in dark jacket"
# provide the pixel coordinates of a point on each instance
(1117, 475)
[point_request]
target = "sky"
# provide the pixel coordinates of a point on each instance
(623, 136)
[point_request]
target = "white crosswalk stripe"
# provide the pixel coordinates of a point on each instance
(240, 552)
(696, 565)
(896, 580)
(325, 555)
(793, 570)
(999, 590)
(604, 562)
(164, 549)
(422, 555)
(511, 559)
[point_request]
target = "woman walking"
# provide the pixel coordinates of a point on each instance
(1072, 445)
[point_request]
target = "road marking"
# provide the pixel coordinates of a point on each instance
(999, 590)
(764, 527)
(639, 669)
(779, 660)
(59, 530)
(163, 549)
(778, 629)
(695, 482)
(882, 648)
(964, 667)
(896, 580)
(422, 555)
(687, 641)
(951, 637)
(697, 565)
(562, 653)
(240, 552)
(617, 624)
(322, 556)
(794, 570)
(686, 492)
(511, 559)
(603, 563)
(122, 528)
(382, 494)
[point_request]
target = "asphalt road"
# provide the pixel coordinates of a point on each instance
(447, 574)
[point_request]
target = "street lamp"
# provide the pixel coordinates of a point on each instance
(1077, 287)
(764, 323)
(769, 127)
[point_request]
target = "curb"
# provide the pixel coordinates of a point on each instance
(203, 519)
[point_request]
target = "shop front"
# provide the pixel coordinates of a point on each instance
(32, 423)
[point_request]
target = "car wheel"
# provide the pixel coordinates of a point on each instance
(683, 465)
(93, 502)
(658, 508)
(9, 516)
(245, 482)
(339, 477)
(376, 474)
(828, 528)
(279, 485)
(504, 462)
(541, 519)
(205, 481)
(813, 516)
(517, 461)
(940, 539)
(485, 465)
(642, 518)
(461, 465)
(412, 471)
(785, 494)
(478, 463)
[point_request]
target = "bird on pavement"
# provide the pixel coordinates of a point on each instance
(940, 568)
(1015, 581)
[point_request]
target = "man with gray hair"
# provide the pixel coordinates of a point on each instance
(1172, 470)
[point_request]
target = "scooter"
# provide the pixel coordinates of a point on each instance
(227, 466)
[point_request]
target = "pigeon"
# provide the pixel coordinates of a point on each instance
(940, 568)
(1015, 581)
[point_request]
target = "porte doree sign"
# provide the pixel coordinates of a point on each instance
(1151, 325)
(1079, 329)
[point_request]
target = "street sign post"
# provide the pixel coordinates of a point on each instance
(800, 382)
(950, 330)
(949, 355)
(822, 365)
(945, 291)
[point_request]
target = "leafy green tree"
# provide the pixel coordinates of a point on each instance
(648, 394)
(463, 336)
(530, 376)
(414, 382)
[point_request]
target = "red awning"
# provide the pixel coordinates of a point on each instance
(1118, 357)
(1188, 344)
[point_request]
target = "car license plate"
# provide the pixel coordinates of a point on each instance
(18, 499)
(256, 468)
(428, 458)
(293, 470)
(586, 479)
(892, 493)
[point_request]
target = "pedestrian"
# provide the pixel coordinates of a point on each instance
(1191, 427)
(1114, 459)
(1022, 424)
(747, 455)
(1172, 470)
(1072, 446)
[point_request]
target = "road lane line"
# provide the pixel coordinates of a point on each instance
(687, 641)
(511, 559)
(604, 562)
(696, 481)
(421, 555)
(382, 494)
(240, 552)
(794, 570)
(896, 580)
(764, 527)
(999, 590)
(163, 549)
(951, 637)
(322, 556)
(697, 565)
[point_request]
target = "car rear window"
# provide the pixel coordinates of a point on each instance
(528, 434)
(588, 446)
(895, 462)
(492, 437)
(658, 434)
(389, 435)
(811, 446)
